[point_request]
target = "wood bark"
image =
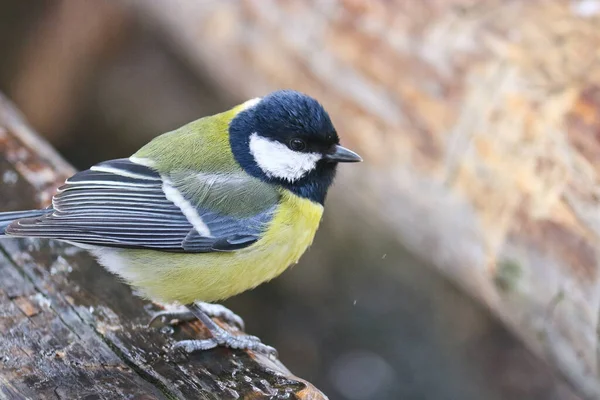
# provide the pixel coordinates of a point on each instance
(479, 123)
(70, 330)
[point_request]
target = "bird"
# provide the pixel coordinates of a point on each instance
(203, 212)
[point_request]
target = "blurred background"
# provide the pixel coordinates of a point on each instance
(462, 110)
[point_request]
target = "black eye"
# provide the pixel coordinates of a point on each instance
(297, 144)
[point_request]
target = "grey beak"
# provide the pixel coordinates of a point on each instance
(342, 154)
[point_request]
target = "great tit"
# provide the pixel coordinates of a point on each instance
(203, 212)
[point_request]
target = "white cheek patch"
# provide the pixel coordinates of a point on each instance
(278, 161)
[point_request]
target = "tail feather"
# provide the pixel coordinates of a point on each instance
(6, 218)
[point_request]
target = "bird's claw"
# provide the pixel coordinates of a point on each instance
(220, 337)
(242, 342)
(190, 346)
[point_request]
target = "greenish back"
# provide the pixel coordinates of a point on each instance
(201, 145)
(198, 161)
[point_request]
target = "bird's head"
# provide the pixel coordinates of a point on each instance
(287, 138)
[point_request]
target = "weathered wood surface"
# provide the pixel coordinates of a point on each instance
(69, 330)
(478, 122)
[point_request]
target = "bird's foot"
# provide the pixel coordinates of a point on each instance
(220, 336)
(242, 342)
(221, 312)
(183, 314)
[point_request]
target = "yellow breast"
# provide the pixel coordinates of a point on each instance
(185, 278)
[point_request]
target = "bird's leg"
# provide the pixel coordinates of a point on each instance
(221, 337)
(221, 312)
(183, 314)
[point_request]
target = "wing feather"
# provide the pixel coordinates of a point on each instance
(120, 203)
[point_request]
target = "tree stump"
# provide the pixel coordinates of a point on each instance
(69, 329)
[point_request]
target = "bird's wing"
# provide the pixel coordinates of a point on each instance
(120, 203)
